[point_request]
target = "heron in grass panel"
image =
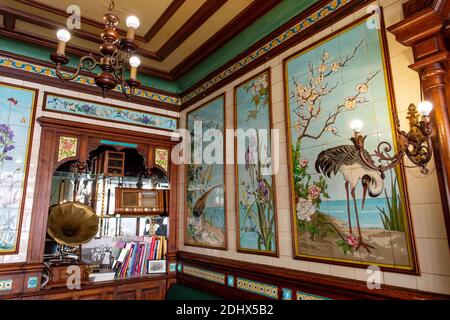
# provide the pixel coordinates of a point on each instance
(346, 160)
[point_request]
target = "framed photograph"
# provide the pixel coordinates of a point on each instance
(205, 205)
(255, 183)
(156, 266)
(342, 211)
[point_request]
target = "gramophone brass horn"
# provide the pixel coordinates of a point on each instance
(72, 224)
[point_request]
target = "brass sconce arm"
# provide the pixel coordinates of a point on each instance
(415, 144)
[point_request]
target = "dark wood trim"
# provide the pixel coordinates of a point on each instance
(267, 71)
(306, 34)
(246, 18)
(425, 29)
(163, 19)
(9, 22)
(51, 43)
(391, 98)
(27, 163)
(139, 137)
(189, 27)
(62, 13)
(44, 108)
(51, 128)
(186, 166)
(322, 285)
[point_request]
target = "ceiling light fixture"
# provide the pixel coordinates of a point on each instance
(116, 57)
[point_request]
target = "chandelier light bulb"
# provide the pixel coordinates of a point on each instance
(63, 35)
(357, 125)
(425, 108)
(133, 22)
(135, 62)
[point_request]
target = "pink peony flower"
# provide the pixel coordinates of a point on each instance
(352, 241)
(314, 192)
(303, 163)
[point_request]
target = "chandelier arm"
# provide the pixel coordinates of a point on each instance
(86, 63)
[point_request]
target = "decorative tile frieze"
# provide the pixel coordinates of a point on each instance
(81, 79)
(262, 289)
(204, 274)
(93, 110)
(308, 296)
(286, 35)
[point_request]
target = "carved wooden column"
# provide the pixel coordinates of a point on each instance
(425, 30)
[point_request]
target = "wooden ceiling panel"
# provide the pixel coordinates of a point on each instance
(174, 24)
(174, 36)
(229, 11)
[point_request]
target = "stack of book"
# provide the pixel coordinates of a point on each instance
(134, 256)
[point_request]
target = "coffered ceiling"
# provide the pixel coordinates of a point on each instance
(174, 36)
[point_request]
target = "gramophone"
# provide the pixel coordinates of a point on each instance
(70, 224)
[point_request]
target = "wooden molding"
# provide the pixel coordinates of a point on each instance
(425, 30)
(189, 27)
(317, 27)
(228, 32)
(163, 19)
(323, 285)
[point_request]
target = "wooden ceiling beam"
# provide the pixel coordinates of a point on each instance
(163, 19)
(189, 27)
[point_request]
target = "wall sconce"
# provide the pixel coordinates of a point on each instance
(415, 144)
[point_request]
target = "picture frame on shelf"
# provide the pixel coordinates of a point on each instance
(156, 266)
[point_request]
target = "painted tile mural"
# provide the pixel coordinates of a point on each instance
(205, 205)
(16, 122)
(105, 112)
(257, 230)
(344, 212)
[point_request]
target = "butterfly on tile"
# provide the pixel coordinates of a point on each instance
(12, 102)
(23, 120)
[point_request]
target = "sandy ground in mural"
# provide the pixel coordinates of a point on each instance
(204, 233)
(390, 246)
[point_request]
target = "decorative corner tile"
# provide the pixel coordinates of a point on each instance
(6, 285)
(230, 281)
(180, 267)
(309, 296)
(286, 294)
(173, 267)
(32, 283)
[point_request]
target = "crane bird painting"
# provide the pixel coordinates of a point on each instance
(205, 180)
(346, 160)
(344, 212)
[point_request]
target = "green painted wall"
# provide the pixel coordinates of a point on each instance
(275, 18)
(42, 53)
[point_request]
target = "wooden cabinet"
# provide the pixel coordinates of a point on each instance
(154, 289)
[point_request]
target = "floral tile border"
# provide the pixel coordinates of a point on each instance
(81, 79)
(312, 19)
(204, 274)
(90, 109)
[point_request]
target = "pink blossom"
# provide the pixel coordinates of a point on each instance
(352, 241)
(314, 192)
(304, 163)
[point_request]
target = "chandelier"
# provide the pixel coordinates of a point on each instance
(415, 144)
(116, 57)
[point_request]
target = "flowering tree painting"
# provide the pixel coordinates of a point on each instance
(256, 208)
(205, 204)
(329, 86)
(16, 110)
